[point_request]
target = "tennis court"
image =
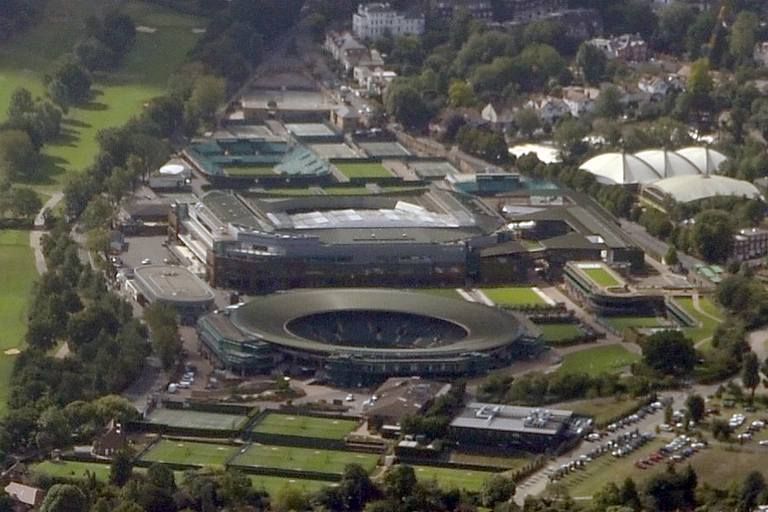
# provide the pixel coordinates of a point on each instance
(303, 459)
(197, 419)
(304, 426)
(168, 451)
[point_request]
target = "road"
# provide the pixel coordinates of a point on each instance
(654, 246)
(35, 237)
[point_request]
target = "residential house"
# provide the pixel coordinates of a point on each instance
(346, 49)
(111, 441)
(375, 20)
(25, 497)
(761, 53)
(550, 109)
(580, 100)
(374, 81)
(627, 47)
(481, 10)
(500, 117)
(399, 397)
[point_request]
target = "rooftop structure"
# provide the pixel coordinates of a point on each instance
(687, 189)
(651, 166)
(374, 20)
(399, 397)
(175, 286)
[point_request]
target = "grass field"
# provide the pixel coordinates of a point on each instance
(196, 419)
(250, 170)
(555, 333)
(304, 426)
(197, 454)
(363, 170)
(17, 277)
(707, 324)
(622, 322)
(448, 478)
(514, 296)
(306, 459)
(594, 361)
(601, 277)
(501, 462)
(273, 484)
(72, 469)
(143, 74)
(601, 409)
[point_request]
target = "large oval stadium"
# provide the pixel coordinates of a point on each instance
(362, 335)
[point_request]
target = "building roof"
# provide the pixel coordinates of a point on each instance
(510, 418)
(172, 283)
(685, 189)
(26, 494)
(399, 397)
(653, 165)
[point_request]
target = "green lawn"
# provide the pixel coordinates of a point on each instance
(555, 333)
(505, 462)
(514, 296)
(250, 170)
(307, 459)
(594, 361)
(197, 419)
(347, 191)
(601, 277)
(707, 324)
(449, 478)
(601, 409)
(622, 322)
(450, 293)
(273, 484)
(72, 469)
(17, 277)
(183, 452)
(143, 74)
(304, 426)
(363, 170)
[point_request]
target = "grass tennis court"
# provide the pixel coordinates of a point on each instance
(601, 277)
(197, 419)
(304, 426)
(556, 333)
(72, 469)
(273, 484)
(363, 170)
(249, 170)
(17, 277)
(448, 478)
(594, 361)
(184, 452)
(514, 296)
(303, 459)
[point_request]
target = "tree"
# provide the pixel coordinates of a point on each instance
(121, 469)
(64, 498)
(569, 135)
(497, 489)
(592, 63)
(21, 104)
(700, 85)
(460, 94)
(674, 21)
(161, 476)
(208, 93)
(712, 235)
(404, 103)
(669, 352)
(752, 489)
(743, 36)
(75, 80)
(696, 407)
(355, 488)
(527, 121)
(750, 373)
(289, 498)
(608, 104)
(399, 482)
(18, 157)
(164, 330)
(671, 257)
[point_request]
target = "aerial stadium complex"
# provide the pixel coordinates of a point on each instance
(358, 336)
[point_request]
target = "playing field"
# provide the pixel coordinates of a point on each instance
(183, 452)
(514, 296)
(641, 322)
(72, 469)
(304, 426)
(601, 277)
(557, 333)
(273, 484)
(250, 170)
(197, 419)
(17, 276)
(363, 170)
(143, 74)
(448, 478)
(303, 459)
(594, 361)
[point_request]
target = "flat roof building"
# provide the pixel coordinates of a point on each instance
(513, 427)
(175, 286)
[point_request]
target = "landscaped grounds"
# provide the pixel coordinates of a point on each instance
(557, 333)
(514, 296)
(169, 451)
(273, 484)
(706, 314)
(197, 419)
(641, 322)
(594, 361)
(449, 478)
(304, 426)
(303, 459)
(72, 469)
(354, 170)
(601, 277)
(17, 277)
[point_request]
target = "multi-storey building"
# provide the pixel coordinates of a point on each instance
(375, 20)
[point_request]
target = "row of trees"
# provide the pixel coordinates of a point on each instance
(16, 15)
